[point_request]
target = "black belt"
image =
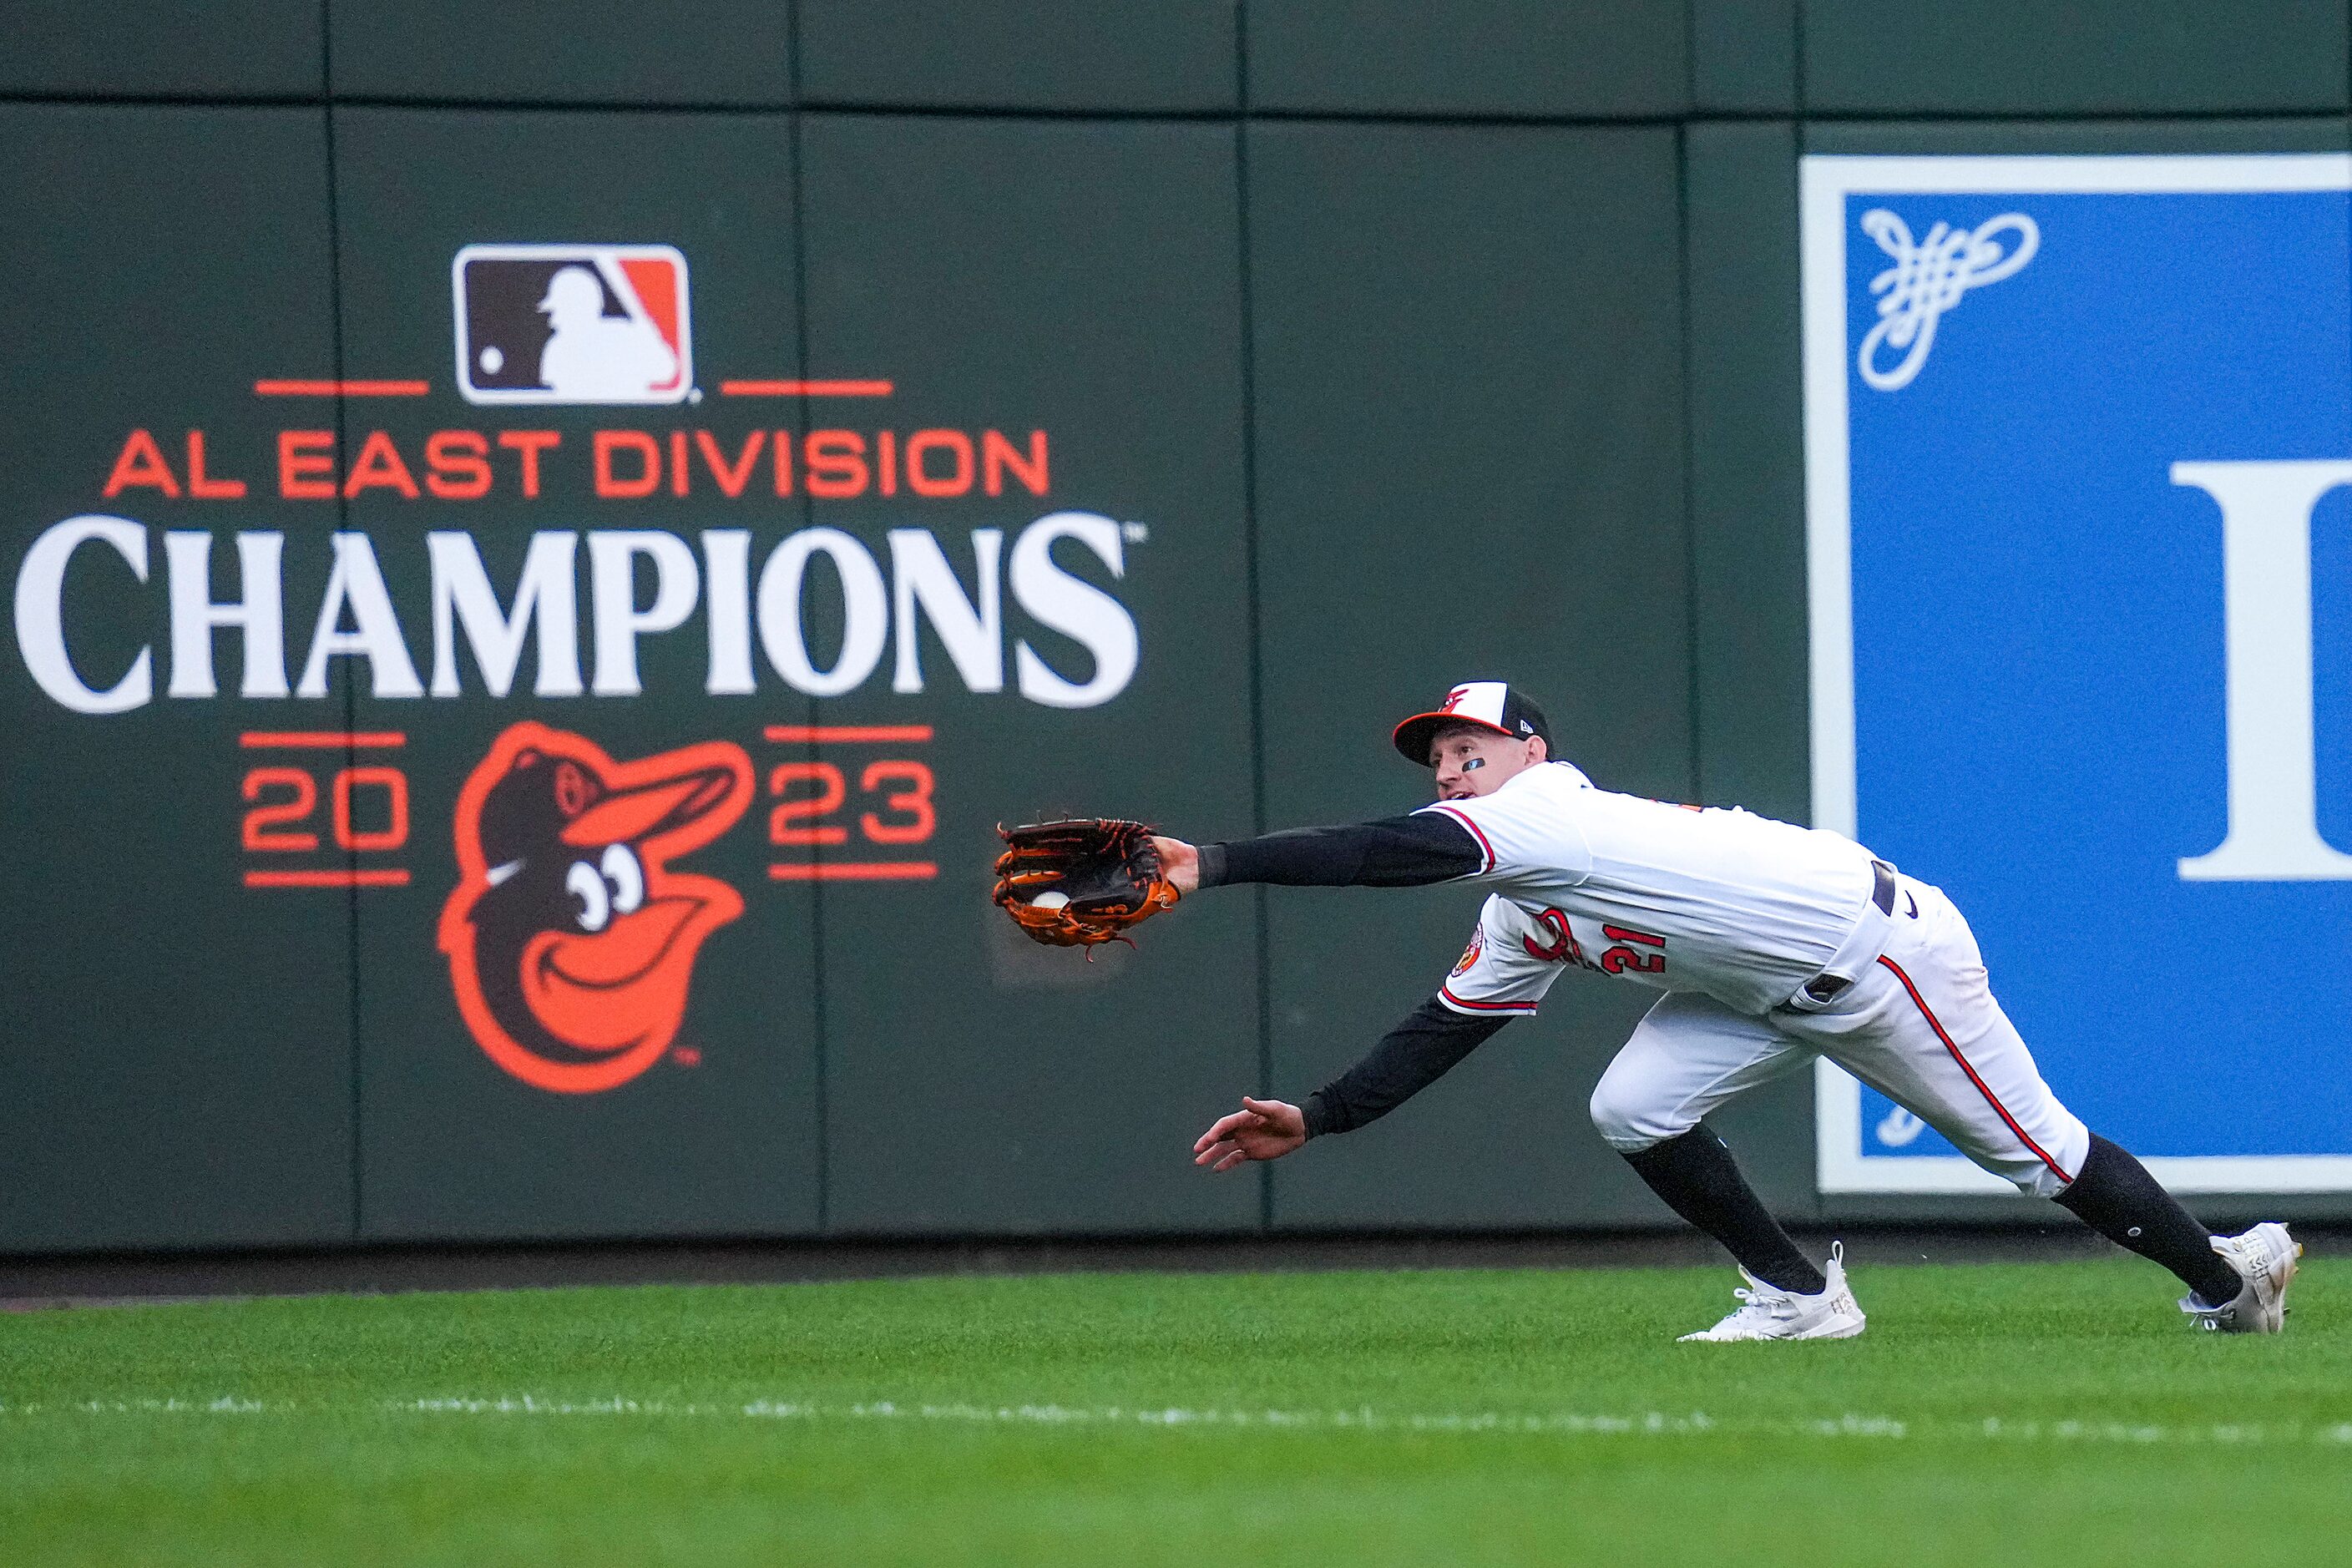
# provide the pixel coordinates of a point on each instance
(1830, 987)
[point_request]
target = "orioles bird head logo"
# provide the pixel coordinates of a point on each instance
(570, 941)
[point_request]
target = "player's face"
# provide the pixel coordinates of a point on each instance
(1473, 761)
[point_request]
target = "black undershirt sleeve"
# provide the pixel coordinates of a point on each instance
(1394, 852)
(1409, 1058)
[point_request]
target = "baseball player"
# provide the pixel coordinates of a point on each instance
(1770, 944)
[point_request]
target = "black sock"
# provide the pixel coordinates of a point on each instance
(2114, 1195)
(1696, 1177)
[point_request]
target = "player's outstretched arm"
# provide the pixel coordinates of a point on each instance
(1410, 1058)
(1260, 1129)
(1394, 852)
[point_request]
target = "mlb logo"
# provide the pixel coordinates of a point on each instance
(573, 323)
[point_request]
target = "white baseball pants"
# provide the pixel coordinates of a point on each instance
(1920, 1026)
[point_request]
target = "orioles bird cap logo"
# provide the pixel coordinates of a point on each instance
(570, 941)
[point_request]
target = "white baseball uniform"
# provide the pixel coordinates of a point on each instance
(1773, 944)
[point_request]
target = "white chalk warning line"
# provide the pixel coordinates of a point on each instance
(1649, 1423)
(1359, 1420)
(224, 1406)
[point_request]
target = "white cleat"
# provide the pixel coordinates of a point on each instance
(1768, 1312)
(2264, 1257)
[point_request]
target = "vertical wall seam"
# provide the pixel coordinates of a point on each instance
(1694, 620)
(820, 1015)
(358, 1168)
(1797, 64)
(1690, 57)
(1259, 910)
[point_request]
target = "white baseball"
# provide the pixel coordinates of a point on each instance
(1049, 901)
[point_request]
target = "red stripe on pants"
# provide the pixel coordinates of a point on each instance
(1990, 1099)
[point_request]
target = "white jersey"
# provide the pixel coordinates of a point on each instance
(1738, 906)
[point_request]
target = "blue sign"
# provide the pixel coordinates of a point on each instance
(2079, 471)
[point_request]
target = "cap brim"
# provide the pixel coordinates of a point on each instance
(1413, 736)
(628, 814)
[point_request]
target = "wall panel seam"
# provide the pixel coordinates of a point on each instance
(1689, 443)
(358, 1159)
(821, 1016)
(1259, 908)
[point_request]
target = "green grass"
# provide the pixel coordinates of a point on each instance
(1425, 1418)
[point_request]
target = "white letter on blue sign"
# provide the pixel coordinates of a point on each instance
(2266, 596)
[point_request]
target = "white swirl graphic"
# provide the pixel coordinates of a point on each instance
(1899, 1126)
(1928, 279)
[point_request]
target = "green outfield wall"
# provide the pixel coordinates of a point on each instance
(1129, 409)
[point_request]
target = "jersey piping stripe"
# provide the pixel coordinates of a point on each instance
(1474, 833)
(1990, 1099)
(1464, 1002)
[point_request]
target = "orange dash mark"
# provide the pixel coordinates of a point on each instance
(318, 740)
(371, 879)
(340, 388)
(806, 388)
(787, 733)
(853, 872)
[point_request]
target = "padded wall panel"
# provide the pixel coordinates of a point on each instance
(1469, 405)
(1746, 468)
(649, 1063)
(734, 52)
(1481, 57)
(229, 49)
(1075, 289)
(1168, 55)
(1748, 542)
(175, 1056)
(1744, 55)
(2088, 57)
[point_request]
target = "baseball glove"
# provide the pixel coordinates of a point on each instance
(1081, 881)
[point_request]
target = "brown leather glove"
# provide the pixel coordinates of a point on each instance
(1081, 881)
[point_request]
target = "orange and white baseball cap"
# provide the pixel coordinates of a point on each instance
(1494, 705)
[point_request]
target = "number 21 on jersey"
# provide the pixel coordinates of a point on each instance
(1638, 952)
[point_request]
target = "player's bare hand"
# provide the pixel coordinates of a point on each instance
(1181, 862)
(1260, 1129)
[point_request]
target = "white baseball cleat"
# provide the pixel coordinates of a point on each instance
(1768, 1312)
(2265, 1256)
